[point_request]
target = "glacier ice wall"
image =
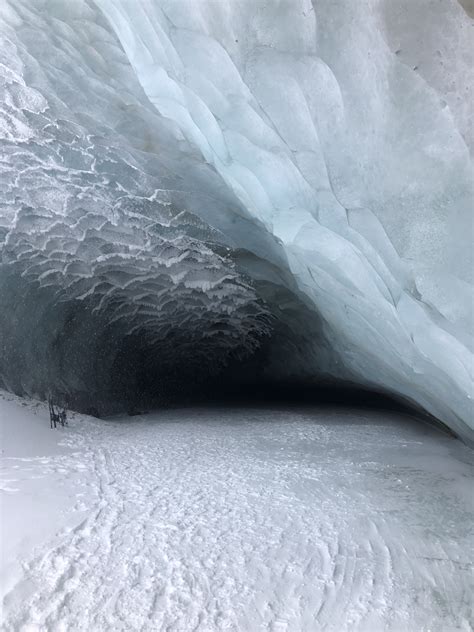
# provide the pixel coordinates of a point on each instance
(187, 185)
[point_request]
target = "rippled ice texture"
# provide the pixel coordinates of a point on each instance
(184, 180)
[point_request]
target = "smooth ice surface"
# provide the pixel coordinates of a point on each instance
(187, 185)
(239, 520)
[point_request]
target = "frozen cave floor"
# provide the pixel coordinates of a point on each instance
(234, 519)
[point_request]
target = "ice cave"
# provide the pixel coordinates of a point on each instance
(214, 206)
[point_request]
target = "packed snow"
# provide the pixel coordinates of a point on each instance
(231, 519)
(202, 181)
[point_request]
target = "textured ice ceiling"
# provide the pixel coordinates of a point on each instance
(193, 185)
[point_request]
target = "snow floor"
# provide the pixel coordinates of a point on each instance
(227, 519)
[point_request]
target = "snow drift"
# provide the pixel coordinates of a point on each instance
(284, 186)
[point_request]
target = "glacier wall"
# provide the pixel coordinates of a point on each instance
(193, 185)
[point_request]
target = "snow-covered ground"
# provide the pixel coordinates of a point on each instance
(234, 520)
